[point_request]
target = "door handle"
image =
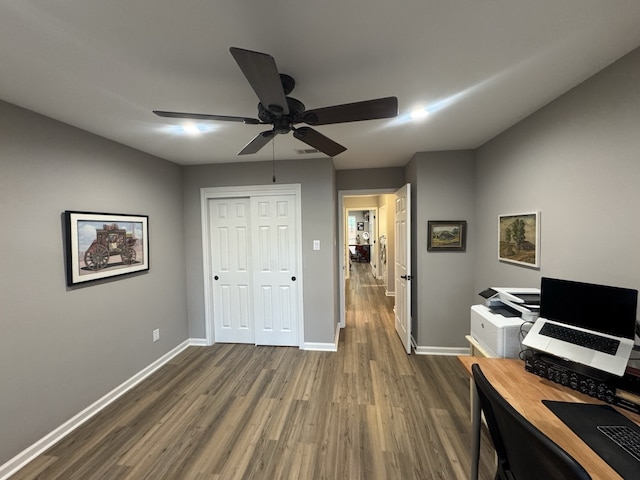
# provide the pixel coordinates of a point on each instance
(216, 277)
(293, 279)
(406, 277)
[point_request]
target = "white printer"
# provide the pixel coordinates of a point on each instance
(496, 325)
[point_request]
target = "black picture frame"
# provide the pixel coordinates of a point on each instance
(446, 235)
(104, 245)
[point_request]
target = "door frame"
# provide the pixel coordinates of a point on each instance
(248, 191)
(341, 238)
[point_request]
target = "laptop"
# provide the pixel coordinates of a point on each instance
(590, 324)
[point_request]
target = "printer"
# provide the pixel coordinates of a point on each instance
(496, 324)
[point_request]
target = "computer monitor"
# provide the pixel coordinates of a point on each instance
(610, 310)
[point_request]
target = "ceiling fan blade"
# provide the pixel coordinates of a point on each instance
(204, 116)
(353, 112)
(258, 142)
(315, 139)
(262, 74)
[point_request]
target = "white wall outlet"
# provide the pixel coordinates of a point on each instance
(156, 335)
(316, 244)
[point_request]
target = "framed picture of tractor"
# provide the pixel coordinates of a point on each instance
(103, 245)
(519, 239)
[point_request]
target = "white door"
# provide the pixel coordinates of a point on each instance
(275, 271)
(229, 221)
(403, 265)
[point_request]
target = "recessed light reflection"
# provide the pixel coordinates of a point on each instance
(190, 128)
(419, 113)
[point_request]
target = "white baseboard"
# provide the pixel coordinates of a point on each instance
(24, 457)
(442, 351)
(322, 347)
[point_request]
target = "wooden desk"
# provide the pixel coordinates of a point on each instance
(525, 392)
(475, 349)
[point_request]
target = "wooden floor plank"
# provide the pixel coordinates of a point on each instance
(368, 411)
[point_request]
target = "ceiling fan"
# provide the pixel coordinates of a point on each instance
(283, 112)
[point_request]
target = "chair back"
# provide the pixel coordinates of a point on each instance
(524, 452)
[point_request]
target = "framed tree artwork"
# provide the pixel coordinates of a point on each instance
(519, 239)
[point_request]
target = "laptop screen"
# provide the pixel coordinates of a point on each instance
(604, 309)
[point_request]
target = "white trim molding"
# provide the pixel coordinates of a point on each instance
(27, 455)
(320, 347)
(324, 347)
(453, 351)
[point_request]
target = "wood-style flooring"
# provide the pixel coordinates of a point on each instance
(369, 411)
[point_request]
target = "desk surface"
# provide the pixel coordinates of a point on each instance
(525, 391)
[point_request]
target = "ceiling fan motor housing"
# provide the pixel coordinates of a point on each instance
(296, 111)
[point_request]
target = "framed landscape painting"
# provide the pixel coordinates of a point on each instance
(446, 235)
(103, 245)
(519, 239)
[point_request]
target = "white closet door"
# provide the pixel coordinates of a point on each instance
(275, 272)
(231, 270)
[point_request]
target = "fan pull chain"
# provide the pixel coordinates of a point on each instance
(273, 151)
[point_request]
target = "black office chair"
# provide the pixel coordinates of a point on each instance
(524, 452)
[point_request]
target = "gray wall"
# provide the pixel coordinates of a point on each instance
(317, 179)
(442, 189)
(370, 178)
(577, 161)
(62, 349)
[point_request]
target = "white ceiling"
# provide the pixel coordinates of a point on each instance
(479, 65)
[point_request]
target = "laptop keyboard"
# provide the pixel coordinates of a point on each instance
(624, 437)
(583, 339)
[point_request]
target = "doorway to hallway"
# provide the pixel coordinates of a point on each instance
(392, 260)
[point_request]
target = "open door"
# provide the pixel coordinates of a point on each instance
(402, 309)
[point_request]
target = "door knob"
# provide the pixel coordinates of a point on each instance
(293, 279)
(216, 277)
